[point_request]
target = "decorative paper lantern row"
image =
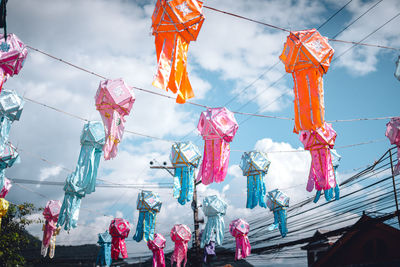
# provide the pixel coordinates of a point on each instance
(114, 100)
(148, 204)
(3, 208)
(255, 165)
(6, 188)
(180, 235)
(397, 71)
(83, 180)
(119, 230)
(214, 208)
(239, 229)
(185, 157)
(393, 133)
(157, 246)
(322, 176)
(12, 55)
(277, 202)
(104, 256)
(11, 106)
(175, 24)
(307, 55)
(217, 126)
(50, 230)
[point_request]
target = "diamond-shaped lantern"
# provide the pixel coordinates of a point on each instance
(175, 24)
(218, 127)
(277, 202)
(306, 49)
(12, 55)
(255, 166)
(185, 157)
(393, 133)
(322, 176)
(214, 208)
(114, 100)
(6, 188)
(3, 208)
(397, 71)
(93, 134)
(239, 229)
(157, 246)
(180, 235)
(50, 231)
(148, 204)
(119, 230)
(8, 156)
(104, 256)
(11, 104)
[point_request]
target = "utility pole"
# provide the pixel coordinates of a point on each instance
(195, 208)
(394, 186)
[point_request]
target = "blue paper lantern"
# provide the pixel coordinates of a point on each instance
(277, 202)
(214, 208)
(255, 166)
(148, 204)
(185, 157)
(104, 256)
(83, 180)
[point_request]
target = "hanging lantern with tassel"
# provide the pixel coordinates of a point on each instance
(50, 230)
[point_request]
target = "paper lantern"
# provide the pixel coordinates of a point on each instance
(214, 208)
(3, 208)
(239, 229)
(114, 100)
(148, 204)
(335, 164)
(104, 256)
(277, 202)
(180, 235)
(397, 71)
(157, 246)
(50, 230)
(307, 55)
(6, 188)
(175, 23)
(185, 157)
(119, 230)
(12, 55)
(83, 180)
(8, 156)
(393, 133)
(255, 166)
(218, 127)
(322, 176)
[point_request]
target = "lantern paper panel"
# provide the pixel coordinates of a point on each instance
(397, 71)
(322, 176)
(13, 52)
(119, 230)
(114, 100)
(239, 229)
(6, 188)
(393, 133)
(180, 235)
(8, 156)
(157, 246)
(255, 166)
(175, 23)
(50, 230)
(218, 127)
(148, 205)
(3, 208)
(335, 164)
(277, 202)
(185, 157)
(104, 256)
(214, 208)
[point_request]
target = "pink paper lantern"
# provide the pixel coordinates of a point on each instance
(6, 188)
(393, 133)
(114, 100)
(180, 235)
(217, 126)
(157, 246)
(239, 229)
(50, 231)
(119, 230)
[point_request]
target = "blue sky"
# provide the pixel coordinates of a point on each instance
(112, 38)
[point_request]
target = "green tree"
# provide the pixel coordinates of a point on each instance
(13, 235)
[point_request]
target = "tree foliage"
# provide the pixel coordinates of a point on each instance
(13, 235)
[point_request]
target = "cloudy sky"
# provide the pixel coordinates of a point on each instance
(113, 39)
